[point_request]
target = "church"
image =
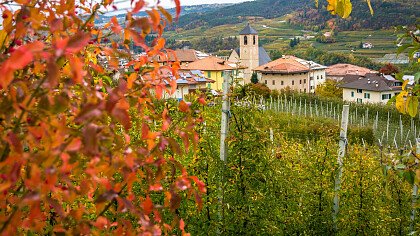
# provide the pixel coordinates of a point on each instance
(249, 54)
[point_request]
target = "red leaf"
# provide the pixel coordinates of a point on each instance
(202, 101)
(183, 106)
(20, 58)
(182, 225)
(77, 42)
(144, 131)
(147, 205)
(14, 142)
(74, 145)
(178, 8)
(139, 5)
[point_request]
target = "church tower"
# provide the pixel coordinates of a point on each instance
(248, 51)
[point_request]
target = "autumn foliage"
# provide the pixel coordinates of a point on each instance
(85, 150)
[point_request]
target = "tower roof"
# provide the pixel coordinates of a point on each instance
(248, 30)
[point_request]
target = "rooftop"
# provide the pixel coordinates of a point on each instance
(248, 30)
(210, 63)
(374, 82)
(283, 66)
(347, 69)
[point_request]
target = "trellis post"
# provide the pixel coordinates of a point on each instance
(415, 192)
(341, 153)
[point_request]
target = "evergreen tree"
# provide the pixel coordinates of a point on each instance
(254, 78)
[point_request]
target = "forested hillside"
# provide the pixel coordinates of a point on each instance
(386, 14)
(304, 12)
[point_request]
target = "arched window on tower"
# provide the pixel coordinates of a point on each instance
(255, 39)
(245, 40)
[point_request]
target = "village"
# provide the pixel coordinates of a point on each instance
(205, 72)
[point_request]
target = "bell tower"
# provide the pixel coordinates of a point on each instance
(248, 51)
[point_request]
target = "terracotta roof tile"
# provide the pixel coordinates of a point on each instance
(210, 63)
(283, 66)
(347, 69)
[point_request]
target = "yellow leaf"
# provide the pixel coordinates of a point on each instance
(405, 84)
(370, 7)
(342, 8)
(400, 102)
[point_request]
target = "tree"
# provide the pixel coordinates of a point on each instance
(329, 89)
(389, 69)
(80, 153)
(254, 78)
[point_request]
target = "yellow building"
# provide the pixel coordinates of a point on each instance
(213, 69)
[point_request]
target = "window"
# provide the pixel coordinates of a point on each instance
(300, 81)
(322, 77)
(274, 82)
(293, 82)
(304, 90)
(304, 81)
(265, 81)
(208, 74)
(352, 94)
(282, 83)
(245, 40)
(317, 77)
(359, 91)
(359, 100)
(255, 39)
(367, 95)
(386, 96)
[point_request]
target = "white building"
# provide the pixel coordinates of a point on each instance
(371, 88)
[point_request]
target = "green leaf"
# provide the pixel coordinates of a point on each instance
(412, 105)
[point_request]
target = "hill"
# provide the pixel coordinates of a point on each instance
(387, 14)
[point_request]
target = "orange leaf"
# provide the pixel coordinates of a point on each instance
(77, 69)
(131, 78)
(181, 225)
(183, 106)
(147, 205)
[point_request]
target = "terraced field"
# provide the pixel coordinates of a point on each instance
(275, 34)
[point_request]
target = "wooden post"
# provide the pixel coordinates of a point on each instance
(415, 192)
(223, 134)
(341, 153)
(272, 141)
(401, 129)
(387, 128)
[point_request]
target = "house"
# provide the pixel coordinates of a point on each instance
(293, 72)
(249, 55)
(187, 82)
(317, 72)
(338, 71)
(213, 68)
(367, 45)
(283, 73)
(371, 88)
(183, 56)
